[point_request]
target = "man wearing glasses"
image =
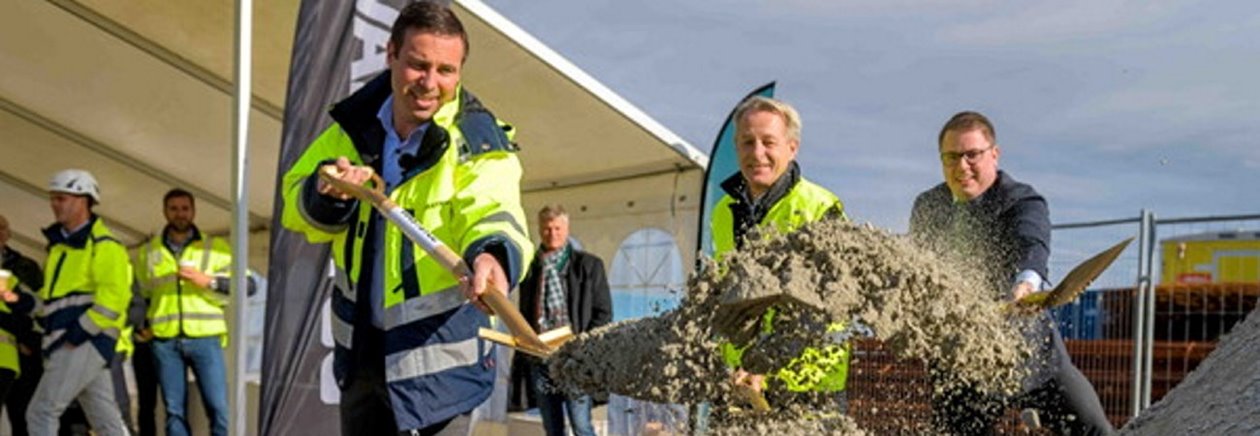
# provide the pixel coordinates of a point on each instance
(984, 219)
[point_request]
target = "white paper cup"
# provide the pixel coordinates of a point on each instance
(187, 263)
(4, 279)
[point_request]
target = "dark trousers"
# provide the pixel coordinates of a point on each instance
(22, 389)
(7, 377)
(1066, 403)
(146, 388)
(121, 396)
(365, 407)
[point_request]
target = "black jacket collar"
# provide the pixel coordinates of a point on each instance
(738, 188)
(748, 213)
(77, 239)
(356, 115)
(8, 254)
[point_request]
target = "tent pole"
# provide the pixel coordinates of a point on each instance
(240, 214)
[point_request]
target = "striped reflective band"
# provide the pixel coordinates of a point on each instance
(88, 326)
(205, 255)
(342, 331)
(424, 306)
(74, 300)
(53, 336)
(342, 282)
(431, 359)
(188, 316)
(162, 281)
(104, 311)
(503, 217)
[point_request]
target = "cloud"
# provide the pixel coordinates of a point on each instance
(1089, 96)
(1024, 23)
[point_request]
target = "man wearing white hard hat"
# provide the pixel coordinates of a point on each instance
(87, 288)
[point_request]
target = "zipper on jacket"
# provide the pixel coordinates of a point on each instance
(179, 293)
(179, 285)
(52, 287)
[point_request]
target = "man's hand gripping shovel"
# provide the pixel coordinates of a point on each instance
(522, 338)
(739, 316)
(1072, 285)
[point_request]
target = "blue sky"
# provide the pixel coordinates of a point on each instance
(1106, 107)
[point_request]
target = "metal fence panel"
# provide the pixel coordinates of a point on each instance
(1134, 336)
(1098, 327)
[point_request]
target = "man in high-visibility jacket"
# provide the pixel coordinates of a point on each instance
(18, 283)
(185, 275)
(407, 354)
(87, 287)
(769, 191)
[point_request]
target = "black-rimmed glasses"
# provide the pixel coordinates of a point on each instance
(972, 156)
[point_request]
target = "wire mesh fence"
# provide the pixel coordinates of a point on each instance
(1138, 330)
(1132, 353)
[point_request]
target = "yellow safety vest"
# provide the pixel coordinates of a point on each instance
(8, 342)
(817, 369)
(177, 307)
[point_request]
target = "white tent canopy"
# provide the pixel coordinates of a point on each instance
(139, 93)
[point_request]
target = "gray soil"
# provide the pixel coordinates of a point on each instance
(1221, 396)
(921, 307)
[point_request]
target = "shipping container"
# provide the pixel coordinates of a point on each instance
(1211, 257)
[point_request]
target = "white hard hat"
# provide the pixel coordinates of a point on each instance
(77, 182)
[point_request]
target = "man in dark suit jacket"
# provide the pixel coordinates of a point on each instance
(564, 287)
(1000, 228)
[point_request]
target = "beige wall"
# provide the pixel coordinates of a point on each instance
(603, 215)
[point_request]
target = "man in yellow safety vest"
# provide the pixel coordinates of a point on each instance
(185, 275)
(769, 191)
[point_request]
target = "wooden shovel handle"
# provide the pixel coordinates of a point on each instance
(374, 194)
(494, 298)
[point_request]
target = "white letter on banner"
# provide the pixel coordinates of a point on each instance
(371, 30)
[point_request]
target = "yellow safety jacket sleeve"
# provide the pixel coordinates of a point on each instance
(321, 228)
(111, 272)
(487, 197)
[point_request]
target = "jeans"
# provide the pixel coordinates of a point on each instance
(205, 356)
(551, 405)
(75, 372)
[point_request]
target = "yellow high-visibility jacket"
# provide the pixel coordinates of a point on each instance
(87, 288)
(464, 188)
(817, 369)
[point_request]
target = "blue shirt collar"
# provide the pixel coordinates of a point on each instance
(386, 115)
